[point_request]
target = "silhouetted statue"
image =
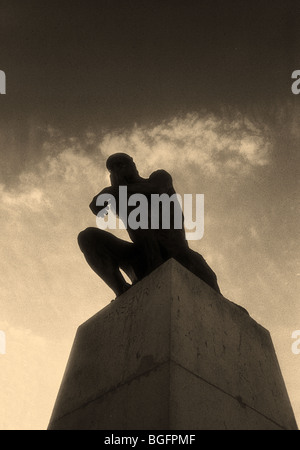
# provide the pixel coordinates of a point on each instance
(106, 254)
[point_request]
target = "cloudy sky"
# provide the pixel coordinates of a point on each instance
(199, 88)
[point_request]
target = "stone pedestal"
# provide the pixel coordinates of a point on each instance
(172, 354)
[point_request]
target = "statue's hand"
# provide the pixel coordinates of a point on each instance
(104, 210)
(110, 192)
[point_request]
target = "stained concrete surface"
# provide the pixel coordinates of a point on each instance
(171, 353)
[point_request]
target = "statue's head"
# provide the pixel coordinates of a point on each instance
(122, 168)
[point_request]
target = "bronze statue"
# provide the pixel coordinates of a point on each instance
(106, 254)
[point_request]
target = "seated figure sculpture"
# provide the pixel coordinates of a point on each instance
(107, 254)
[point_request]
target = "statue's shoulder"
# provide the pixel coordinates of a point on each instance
(162, 177)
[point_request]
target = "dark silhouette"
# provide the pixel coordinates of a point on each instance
(106, 254)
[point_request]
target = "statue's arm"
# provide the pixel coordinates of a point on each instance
(93, 205)
(159, 182)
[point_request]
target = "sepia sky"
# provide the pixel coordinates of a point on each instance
(199, 88)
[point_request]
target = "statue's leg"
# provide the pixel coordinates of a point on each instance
(106, 254)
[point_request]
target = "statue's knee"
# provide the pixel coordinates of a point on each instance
(84, 238)
(81, 239)
(91, 237)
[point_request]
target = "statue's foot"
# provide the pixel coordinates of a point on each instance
(124, 288)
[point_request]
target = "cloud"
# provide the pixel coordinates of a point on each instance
(32, 199)
(208, 144)
(43, 213)
(212, 144)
